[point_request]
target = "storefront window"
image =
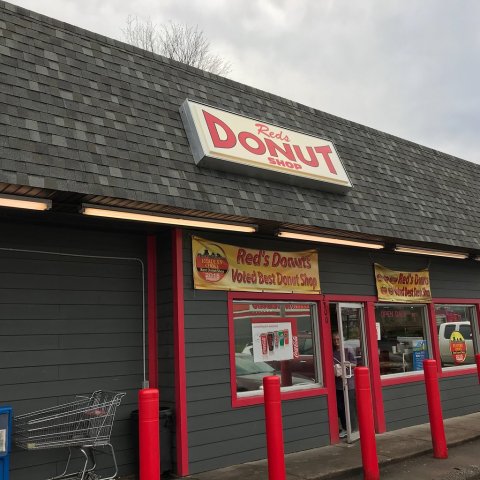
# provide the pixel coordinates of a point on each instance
(275, 339)
(403, 343)
(457, 334)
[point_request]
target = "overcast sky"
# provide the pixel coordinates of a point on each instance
(406, 67)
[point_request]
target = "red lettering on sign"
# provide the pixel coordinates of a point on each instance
(265, 130)
(313, 158)
(258, 150)
(212, 124)
(324, 151)
(286, 151)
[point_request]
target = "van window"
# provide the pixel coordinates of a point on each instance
(447, 333)
(457, 337)
(466, 332)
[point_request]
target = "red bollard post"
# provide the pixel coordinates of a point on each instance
(149, 434)
(274, 428)
(477, 359)
(366, 424)
(435, 409)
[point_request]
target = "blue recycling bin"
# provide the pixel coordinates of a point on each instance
(5, 441)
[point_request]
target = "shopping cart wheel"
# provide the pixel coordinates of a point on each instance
(92, 476)
(87, 476)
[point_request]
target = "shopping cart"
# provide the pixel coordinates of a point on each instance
(84, 425)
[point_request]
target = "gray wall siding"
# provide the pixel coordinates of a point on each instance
(406, 405)
(460, 395)
(166, 379)
(166, 360)
(220, 435)
(69, 325)
(350, 272)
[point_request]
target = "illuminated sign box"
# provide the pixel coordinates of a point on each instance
(238, 144)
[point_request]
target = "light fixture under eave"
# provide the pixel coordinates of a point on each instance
(430, 252)
(27, 203)
(330, 240)
(105, 212)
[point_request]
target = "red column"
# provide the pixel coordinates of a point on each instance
(274, 428)
(366, 424)
(477, 359)
(435, 409)
(149, 434)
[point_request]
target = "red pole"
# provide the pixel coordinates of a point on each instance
(149, 434)
(366, 424)
(274, 429)
(477, 358)
(435, 409)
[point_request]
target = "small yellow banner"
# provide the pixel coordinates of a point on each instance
(218, 266)
(402, 287)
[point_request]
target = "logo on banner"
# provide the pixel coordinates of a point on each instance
(212, 263)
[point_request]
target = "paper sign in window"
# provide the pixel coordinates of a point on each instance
(274, 341)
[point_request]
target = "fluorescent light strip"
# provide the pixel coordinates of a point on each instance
(427, 251)
(27, 203)
(183, 222)
(330, 240)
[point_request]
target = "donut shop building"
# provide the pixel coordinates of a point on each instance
(165, 226)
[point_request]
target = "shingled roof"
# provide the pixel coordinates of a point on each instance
(82, 114)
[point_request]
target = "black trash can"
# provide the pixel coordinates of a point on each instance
(166, 426)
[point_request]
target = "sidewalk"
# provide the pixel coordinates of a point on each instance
(342, 460)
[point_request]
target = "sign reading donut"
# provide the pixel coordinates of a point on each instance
(239, 144)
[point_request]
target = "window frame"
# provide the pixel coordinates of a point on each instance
(442, 373)
(286, 393)
(411, 375)
(445, 372)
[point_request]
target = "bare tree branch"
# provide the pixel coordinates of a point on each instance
(177, 41)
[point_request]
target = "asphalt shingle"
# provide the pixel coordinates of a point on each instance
(109, 113)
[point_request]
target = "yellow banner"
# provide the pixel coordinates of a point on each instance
(403, 287)
(218, 266)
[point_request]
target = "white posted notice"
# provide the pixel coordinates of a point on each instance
(272, 341)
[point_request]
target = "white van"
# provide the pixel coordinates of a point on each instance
(445, 331)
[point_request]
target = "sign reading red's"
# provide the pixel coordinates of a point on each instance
(234, 143)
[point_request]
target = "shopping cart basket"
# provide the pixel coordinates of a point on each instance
(83, 425)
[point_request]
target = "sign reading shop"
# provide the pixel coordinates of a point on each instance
(239, 144)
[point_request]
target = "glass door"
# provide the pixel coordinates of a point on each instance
(349, 351)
